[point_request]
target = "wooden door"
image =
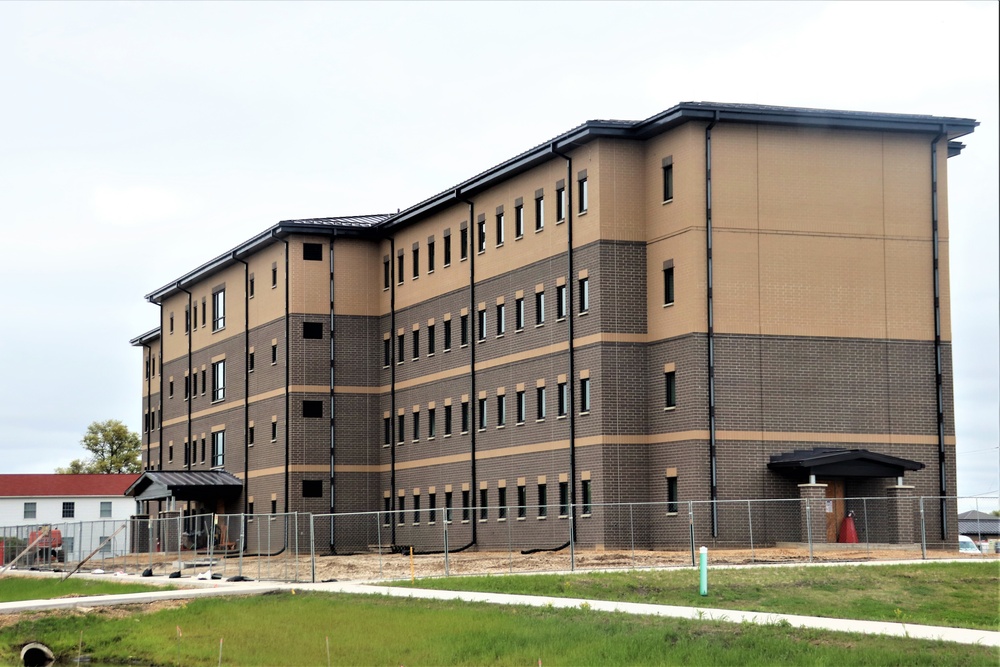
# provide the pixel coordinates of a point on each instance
(835, 507)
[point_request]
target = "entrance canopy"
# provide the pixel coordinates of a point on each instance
(837, 462)
(206, 486)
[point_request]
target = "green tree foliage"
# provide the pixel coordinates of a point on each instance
(112, 447)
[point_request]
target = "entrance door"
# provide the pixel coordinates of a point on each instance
(835, 509)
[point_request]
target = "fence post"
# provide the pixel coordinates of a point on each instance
(691, 528)
(378, 530)
(750, 525)
(868, 542)
(312, 546)
(296, 545)
(572, 540)
(809, 532)
(446, 570)
(923, 530)
(631, 530)
(243, 541)
(510, 546)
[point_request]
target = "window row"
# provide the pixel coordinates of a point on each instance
(484, 328)
(191, 450)
(191, 315)
(481, 237)
(501, 508)
(68, 510)
(422, 424)
(218, 380)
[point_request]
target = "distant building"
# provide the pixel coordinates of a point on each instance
(719, 302)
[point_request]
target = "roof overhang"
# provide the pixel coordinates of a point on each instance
(183, 485)
(836, 462)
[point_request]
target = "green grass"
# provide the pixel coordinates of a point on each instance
(291, 629)
(15, 588)
(965, 595)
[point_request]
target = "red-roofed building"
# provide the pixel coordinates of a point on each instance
(86, 508)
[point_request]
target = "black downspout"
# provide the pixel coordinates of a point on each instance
(274, 234)
(189, 326)
(333, 402)
(571, 380)
(711, 329)
(473, 341)
(149, 400)
(937, 334)
(393, 438)
(246, 383)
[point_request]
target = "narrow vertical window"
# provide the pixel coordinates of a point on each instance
(400, 348)
(481, 234)
(274, 353)
(585, 496)
(563, 499)
(518, 221)
(583, 192)
(400, 263)
(465, 416)
(668, 178)
(250, 289)
(521, 407)
(670, 389)
(447, 335)
(386, 273)
(560, 302)
(519, 314)
(416, 344)
(463, 250)
(171, 322)
(416, 262)
(432, 507)
(431, 423)
(447, 506)
(416, 426)
(447, 420)
(543, 501)
(187, 320)
(466, 507)
(482, 413)
(386, 511)
(416, 510)
(500, 227)
(540, 402)
(584, 395)
(672, 494)
(400, 429)
(447, 249)
(386, 352)
(430, 340)
(502, 410)
(560, 204)
(464, 330)
(501, 320)
(522, 501)
(430, 255)
(250, 432)
(563, 399)
(539, 308)
(274, 277)
(218, 380)
(218, 449)
(250, 362)
(218, 309)
(274, 431)
(584, 290)
(502, 503)
(483, 504)
(401, 511)
(668, 283)
(482, 324)
(539, 211)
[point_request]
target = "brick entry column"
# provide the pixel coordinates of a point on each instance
(813, 496)
(168, 530)
(899, 514)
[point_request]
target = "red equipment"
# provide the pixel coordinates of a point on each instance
(848, 534)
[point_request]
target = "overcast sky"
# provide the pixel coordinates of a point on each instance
(138, 140)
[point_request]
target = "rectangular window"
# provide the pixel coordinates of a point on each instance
(500, 230)
(672, 495)
(194, 318)
(430, 257)
(518, 221)
(584, 286)
(447, 420)
(250, 288)
(386, 511)
(543, 500)
(563, 399)
(218, 449)
(561, 204)
(668, 180)
(483, 504)
(430, 339)
(447, 249)
(668, 285)
(416, 262)
(194, 383)
(312, 409)
(501, 319)
(400, 348)
(187, 454)
(563, 499)
(387, 428)
(481, 233)
(274, 431)
(312, 488)
(584, 395)
(670, 389)
(447, 335)
(274, 276)
(250, 432)
(250, 362)
(432, 507)
(401, 510)
(463, 251)
(386, 352)
(218, 310)
(539, 308)
(502, 502)
(464, 332)
(218, 380)
(447, 506)
(466, 508)
(482, 414)
(540, 399)
(400, 429)
(522, 501)
(416, 344)
(30, 510)
(431, 423)
(416, 426)
(312, 330)
(187, 320)
(203, 450)
(465, 416)
(400, 263)
(204, 310)
(187, 387)
(539, 213)
(518, 314)
(560, 302)
(312, 252)
(274, 353)
(521, 407)
(583, 194)
(502, 410)
(482, 325)
(416, 510)
(171, 322)
(386, 273)
(585, 496)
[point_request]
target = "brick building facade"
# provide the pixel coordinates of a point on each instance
(692, 307)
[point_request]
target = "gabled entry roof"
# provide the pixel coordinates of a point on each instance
(837, 462)
(184, 485)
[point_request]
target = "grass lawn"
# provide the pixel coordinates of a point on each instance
(292, 629)
(14, 588)
(965, 595)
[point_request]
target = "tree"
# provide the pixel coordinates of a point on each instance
(113, 449)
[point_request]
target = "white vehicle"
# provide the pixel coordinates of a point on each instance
(967, 546)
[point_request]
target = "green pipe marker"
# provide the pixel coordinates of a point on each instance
(703, 568)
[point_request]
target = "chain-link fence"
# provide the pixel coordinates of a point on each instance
(444, 541)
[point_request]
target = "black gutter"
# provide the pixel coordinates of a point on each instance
(473, 342)
(393, 437)
(712, 463)
(571, 380)
(938, 380)
(189, 326)
(246, 383)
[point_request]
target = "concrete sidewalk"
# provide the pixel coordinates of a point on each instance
(221, 588)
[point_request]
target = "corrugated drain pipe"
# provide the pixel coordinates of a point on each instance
(938, 379)
(713, 471)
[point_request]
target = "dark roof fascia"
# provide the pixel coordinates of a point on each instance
(148, 337)
(812, 460)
